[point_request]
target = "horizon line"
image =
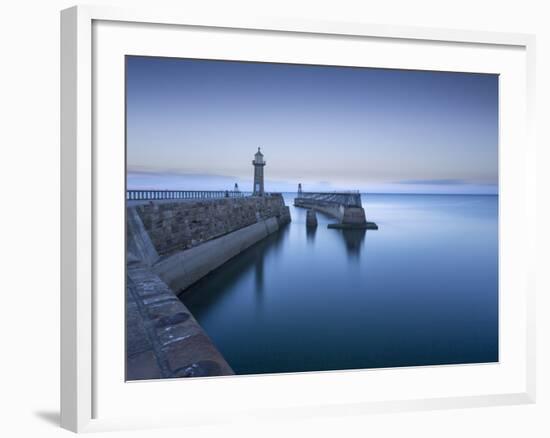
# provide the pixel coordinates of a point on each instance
(332, 191)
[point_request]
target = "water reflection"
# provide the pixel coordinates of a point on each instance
(353, 241)
(259, 275)
(210, 289)
(296, 301)
(310, 234)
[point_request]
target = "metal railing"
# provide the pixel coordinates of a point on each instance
(348, 199)
(157, 195)
(160, 195)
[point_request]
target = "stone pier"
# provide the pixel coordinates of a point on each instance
(162, 337)
(345, 207)
(171, 244)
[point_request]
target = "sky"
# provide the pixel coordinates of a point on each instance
(196, 125)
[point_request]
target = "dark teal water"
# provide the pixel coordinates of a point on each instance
(422, 290)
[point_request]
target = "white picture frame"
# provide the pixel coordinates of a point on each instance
(84, 172)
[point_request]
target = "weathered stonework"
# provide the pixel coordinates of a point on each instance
(170, 245)
(176, 226)
(162, 337)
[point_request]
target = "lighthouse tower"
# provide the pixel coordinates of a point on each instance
(258, 164)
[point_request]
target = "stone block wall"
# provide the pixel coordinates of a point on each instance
(180, 225)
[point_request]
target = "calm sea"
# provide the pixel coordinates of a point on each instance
(421, 290)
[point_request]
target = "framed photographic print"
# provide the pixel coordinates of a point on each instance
(251, 208)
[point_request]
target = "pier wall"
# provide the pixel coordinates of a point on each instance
(184, 268)
(344, 214)
(171, 245)
(182, 241)
(180, 225)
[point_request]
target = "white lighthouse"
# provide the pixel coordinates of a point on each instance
(258, 164)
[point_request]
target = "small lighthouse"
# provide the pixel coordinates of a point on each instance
(258, 164)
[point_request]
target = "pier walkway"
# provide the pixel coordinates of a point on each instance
(163, 338)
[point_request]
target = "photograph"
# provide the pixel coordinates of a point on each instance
(289, 218)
